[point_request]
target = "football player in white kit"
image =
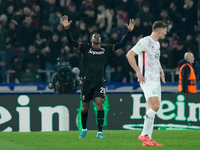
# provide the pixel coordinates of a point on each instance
(149, 72)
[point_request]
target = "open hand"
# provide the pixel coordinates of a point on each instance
(131, 25)
(66, 23)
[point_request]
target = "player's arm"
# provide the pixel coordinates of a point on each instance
(122, 43)
(66, 25)
(185, 75)
(162, 75)
(132, 61)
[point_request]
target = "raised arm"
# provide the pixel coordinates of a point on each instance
(130, 28)
(66, 25)
(131, 59)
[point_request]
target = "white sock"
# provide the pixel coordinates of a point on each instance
(151, 130)
(148, 122)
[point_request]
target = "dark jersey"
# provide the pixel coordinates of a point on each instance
(94, 60)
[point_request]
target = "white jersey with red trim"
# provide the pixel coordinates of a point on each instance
(148, 52)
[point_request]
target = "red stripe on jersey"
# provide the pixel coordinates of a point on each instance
(113, 47)
(79, 45)
(143, 66)
(143, 56)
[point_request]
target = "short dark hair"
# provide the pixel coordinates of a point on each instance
(158, 24)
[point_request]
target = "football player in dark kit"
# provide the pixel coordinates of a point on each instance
(94, 65)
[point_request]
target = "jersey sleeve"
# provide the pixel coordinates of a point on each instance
(140, 46)
(122, 42)
(74, 43)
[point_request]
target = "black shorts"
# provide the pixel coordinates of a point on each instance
(92, 89)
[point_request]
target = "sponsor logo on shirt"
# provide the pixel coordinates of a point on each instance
(96, 52)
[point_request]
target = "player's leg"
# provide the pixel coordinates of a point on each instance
(100, 115)
(152, 125)
(100, 112)
(84, 117)
(150, 115)
(86, 96)
(84, 114)
(151, 92)
(153, 104)
(149, 120)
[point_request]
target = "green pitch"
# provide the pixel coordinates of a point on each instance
(116, 140)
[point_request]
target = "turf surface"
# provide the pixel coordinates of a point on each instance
(116, 140)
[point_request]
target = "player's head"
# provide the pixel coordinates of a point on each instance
(95, 38)
(160, 28)
(189, 57)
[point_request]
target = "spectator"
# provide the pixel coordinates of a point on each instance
(104, 19)
(189, 16)
(81, 30)
(22, 3)
(60, 30)
(121, 13)
(54, 52)
(120, 28)
(28, 11)
(12, 31)
(19, 17)
(54, 19)
(165, 52)
(3, 20)
(146, 17)
(16, 63)
(40, 41)
(71, 10)
(177, 54)
(71, 55)
(45, 31)
(9, 52)
(90, 17)
(165, 56)
(10, 12)
(2, 55)
(26, 32)
(118, 66)
(32, 66)
(179, 15)
(187, 78)
(139, 32)
(176, 16)
(164, 16)
(5, 4)
(134, 7)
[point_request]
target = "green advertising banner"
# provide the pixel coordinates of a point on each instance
(177, 111)
(26, 113)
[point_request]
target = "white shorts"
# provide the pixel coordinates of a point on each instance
(151, 89)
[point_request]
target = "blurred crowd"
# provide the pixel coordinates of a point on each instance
(32, 36)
